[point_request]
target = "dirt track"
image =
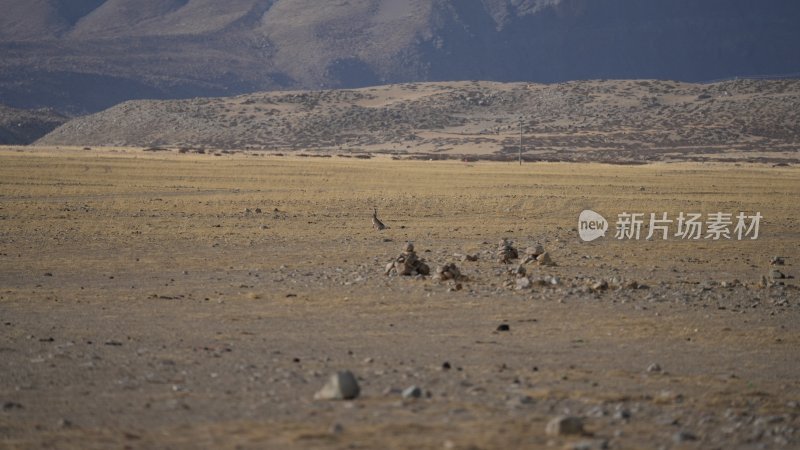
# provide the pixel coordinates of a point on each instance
(145, 303)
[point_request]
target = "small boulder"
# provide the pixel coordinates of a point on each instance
(524, 283)
(776, 275)
(341, 386)
(545, 260)
(564, 426)
(412, 392)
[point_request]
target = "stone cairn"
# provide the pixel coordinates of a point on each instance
(408, 263)
(506, 252)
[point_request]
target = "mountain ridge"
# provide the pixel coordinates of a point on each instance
(631, 120)
(59, 53)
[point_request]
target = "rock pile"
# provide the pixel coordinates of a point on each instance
(447, 272)
(533, 252)
(408, 263)
(537, 254)
(506, 252)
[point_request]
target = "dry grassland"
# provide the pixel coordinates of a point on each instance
(145, 302)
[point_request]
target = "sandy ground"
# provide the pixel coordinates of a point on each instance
(145, 302)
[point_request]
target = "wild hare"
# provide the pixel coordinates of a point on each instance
(376, 223)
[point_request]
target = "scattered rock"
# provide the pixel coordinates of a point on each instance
(341, 386)
(531, 253)
(545, 260)
(601, 285)
(10, 406)
(589, 445)
(506, 252)
(524, 283)
(776, 275)
(336, 428)
(412, 392)
(622, 414)
(446, 365)
(667, 397)
(564, 425)
(520, 401)
(503, 327)
(540, 282)
(683, 436)
(653, 368)
(777, 261)
(471, 258)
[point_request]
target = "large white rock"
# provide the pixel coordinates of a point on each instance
(341, 386)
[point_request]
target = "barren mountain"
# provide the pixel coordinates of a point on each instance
(592, 120)
(87, 55)
(25, 126)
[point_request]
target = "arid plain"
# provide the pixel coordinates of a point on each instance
(167, 300)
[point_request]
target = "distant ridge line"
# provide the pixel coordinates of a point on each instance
(753, 77)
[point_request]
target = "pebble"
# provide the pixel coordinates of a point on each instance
(341, 386)
(520, 401)
(683, 436)
(503, 327)
(654, 367)
(412, 392)
(10, 406)
(589, 445)
(564, 425)
(622, 414)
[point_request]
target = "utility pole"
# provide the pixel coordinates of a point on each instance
(520, 140)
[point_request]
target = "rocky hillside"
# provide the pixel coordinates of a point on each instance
(87, 55)
(25, 126)
(596, 120)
